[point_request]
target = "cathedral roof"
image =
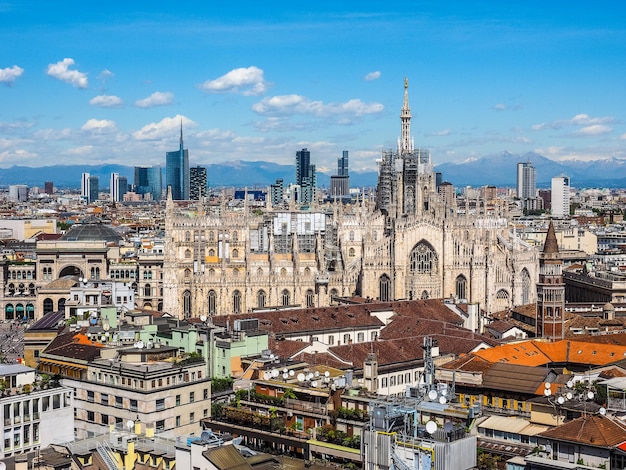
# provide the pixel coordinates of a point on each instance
(551, 246)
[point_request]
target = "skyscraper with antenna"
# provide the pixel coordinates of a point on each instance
(177, 170)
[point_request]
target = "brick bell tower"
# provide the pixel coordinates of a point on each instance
(550, 290)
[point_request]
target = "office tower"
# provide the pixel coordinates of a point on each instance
(18, 192)
(118, 187)
(305, 177)
(560, 196)
(438, 179)
(94, 189)
(526, 180)
(340, 183)
(148, 182)
(84, 187)
(177, 171)
(276, 192)
(198, 183)
(448, 193)
(49, 187)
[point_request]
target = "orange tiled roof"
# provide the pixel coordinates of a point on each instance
(593, 430)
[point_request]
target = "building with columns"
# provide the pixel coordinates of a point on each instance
(408, 243)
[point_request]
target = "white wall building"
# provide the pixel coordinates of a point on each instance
(560, 196)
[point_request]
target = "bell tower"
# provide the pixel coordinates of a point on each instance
(550, 290)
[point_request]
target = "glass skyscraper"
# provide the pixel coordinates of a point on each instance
(177, 171)
(148, 181)
(198, 182)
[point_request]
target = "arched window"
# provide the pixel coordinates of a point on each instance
(211, 272)
(9, 312)
(461, 287)
(423, 259)
(502, 298)
(260, 299)
(31, 289)
(235, 253)
(285, 297)
(211, 252)
(351, 235)
(235, 272)
(211, 237)
(525, 287)
(310, 298)
(425, 295)
(384, 288)
(334, 293)
(147, 290)
(48, 306)
(30, 311)
(187, 273)
(307, 271)
(61, 304)
(235, 236)
(375, 235)
(187, 254)
(259, 272)
(187, 304)
(283, 272)
(11, 289)
(212, 301)
(187, 236)
(351, 252)
(236, 302)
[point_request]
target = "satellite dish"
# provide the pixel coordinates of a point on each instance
(602, 411)
(130, 424)
(432, 395)
(569, 395)
(301, 377)
(431, 427)
(547, 392)
(590, 395)
(570, 383)
(203, 318)
(106, 326)
(285, 370)
(314, 384)
(285, 375)
(442, 400)
(309, 376)
(560, 400)
(266, 375)
(291, 373)
(140, 344)
(275, 373)
(547, 384)
(326, 374)
(316, 374)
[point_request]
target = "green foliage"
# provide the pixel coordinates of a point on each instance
(217, 409)
(349, 413)
(289, 393)
(245, 394)
(221, 384)
(328, 434)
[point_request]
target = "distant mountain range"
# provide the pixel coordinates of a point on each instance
(498, 170)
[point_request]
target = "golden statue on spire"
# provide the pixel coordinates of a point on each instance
(406, 82)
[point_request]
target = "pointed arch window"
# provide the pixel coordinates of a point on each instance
(187, 304)
(187, 254)
(187, 236)
(461, 287)
(212, 301)
(423, 259)
(310, 298)
(525, 287)
(261, 299)
(285, 298)
(384, 288)
(236, 302)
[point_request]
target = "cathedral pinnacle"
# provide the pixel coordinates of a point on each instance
(405, 144)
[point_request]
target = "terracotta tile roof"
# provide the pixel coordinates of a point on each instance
(501, 326)
(612, 373)
(516, 378)
(593, 430)
(285, 348)
(468, 363)
(73, 346)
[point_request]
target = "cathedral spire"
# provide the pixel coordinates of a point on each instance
(405, 144)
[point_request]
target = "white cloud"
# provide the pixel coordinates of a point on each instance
(578, 120)
(61, 71)
(441, 133)
(297, 104)
(248, 81)
(82, 150)
(96, 126)
(372, 76)
(593, 130)
(107, 101)
(156, 99)
(164, 129)
(622, 137)
(106, 74)
(10, 74)
(500, 107)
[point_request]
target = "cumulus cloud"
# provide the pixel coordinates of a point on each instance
(372, 76)
(107, 101)
(99, 126)
(297, 104)
(61, 71)
(500, 107)
(441, 133)
(156, 99)
(247, 81)
(578, 120)
(593, 130)
(163, 129)
(10, 74)
(106, 74)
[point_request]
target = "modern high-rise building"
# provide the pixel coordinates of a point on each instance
(306, 178)
(340, 183)
(526, 180)
(177, 171)
(198, 183)
(148, 182)
(277, 192)
(18, 192)
(118, 187)
(89, 188)
(48, 187)
(560, 196)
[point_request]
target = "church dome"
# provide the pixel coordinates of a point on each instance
(92, 232)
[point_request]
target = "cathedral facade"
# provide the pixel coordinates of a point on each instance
(410, 242)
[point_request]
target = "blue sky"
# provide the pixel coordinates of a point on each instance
(110, 82)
